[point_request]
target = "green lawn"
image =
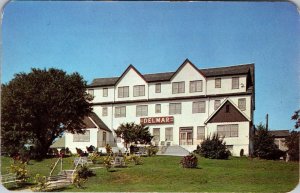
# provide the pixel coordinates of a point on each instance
(163, 173)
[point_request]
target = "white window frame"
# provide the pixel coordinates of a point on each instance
(200, 132)
(196, 86)
(104, 111)
(157, 108)
(169, 133)
(141, 110)
(138, 90)
(174, 108)
(123, 92)
(242, 104)
(105, 92)
(158, 88)
(86, 137)
(218, 82)
(199, 107)
(120, 111)
(178, 87)
(235, 82)
(230, 130)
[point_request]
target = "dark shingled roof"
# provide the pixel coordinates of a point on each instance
(279, 133)
(89, 124)
(158, 77)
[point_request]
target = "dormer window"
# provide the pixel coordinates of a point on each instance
(105, 92)
(158, 88)
(123, 91)
(235, 82)
(196, 86)
(218, 83)
(139, 90)
(178, 87)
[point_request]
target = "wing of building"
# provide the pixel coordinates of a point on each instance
(181, 108)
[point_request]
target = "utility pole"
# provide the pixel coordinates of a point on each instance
(267, 121)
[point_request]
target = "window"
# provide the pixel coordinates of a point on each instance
(158, 88)
(199, 107)
(158, 108)
(91, 92)
(227, 108)
(169, 134)
(139, 90)
(120, 111)
(228, 130)
(217, 104)
(104, 111)
(105, 92)
(141, 110)
(242, 104)
(156, 134)
(200, 132)
(175, 108)
(196, 86)
(177, 87)
(123, 91)
(235, 82)
(218, 83)
(82, 137)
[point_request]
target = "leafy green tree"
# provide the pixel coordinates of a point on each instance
(264, 146)
(296, 117)
(134, 133)
(39, 106)
(292, 142)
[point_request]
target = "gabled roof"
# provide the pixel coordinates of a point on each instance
(125, 72)
(186, 61)
(93, 121)
(59, 143)
(234, 115)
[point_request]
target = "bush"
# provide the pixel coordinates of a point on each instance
(292, 142)
(152, 150)
(84, 172)
(108, 149)
(107, 162)
(95, 157)
(189, 161)
(41, 183)
(214, 148)
(19, 169)
(90, 149)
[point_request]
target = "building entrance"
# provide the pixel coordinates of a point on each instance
(186, 136)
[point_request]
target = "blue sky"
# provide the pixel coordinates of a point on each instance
(100, 39)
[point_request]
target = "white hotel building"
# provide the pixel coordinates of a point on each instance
(181, 108)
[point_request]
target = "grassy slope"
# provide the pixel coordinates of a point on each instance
(163, 173)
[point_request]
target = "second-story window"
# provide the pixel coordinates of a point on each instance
(217, 104)
(196, 86)
(218, 83)
(91, 92)
(158, 88)
(235, 82)
(120, 111)
(141, 110)
(175, 108)
(105, 92)
(178, 87)
(242, 104)
(158, 108)
(104, 111)
(139, 90)
(123, 91)
(199, 107)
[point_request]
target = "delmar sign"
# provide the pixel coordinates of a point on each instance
(157, 120)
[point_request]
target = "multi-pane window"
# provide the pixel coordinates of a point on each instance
(141, 110)
(217, 104)
(169, 134)
(177, 87)
(157, 87)
(123, 91)
(174, 108)
(139, 90)
(120, 111)
(242, 104)
(105, 92)
(196, 86)
(235, 82)
(104, 111)
(228, 130)
(156, 134)
(82, 137)
(158, 108)
(218, 83)
(199, 107)
(200, 132)
(91, 92)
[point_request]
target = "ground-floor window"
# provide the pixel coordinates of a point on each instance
(82, 137)
(169, 134)
(230, 130)
(200, 132)
(156, 135)
(186, 136)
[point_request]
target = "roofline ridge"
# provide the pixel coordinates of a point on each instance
(243, 64)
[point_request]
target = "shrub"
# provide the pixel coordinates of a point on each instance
(137, 160)
(292, 142)
(94, 157)
(84, 172)
(107, 162)
(152, 150)
(19, 169)
(108, 149)
(214, 148)
(189, 161)
(90, 149)
(41, 183)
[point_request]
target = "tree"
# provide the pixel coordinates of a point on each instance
(39, 106)
(134, 133)
(264, 146)
(292, 142)
(213, 148)
(296, 117)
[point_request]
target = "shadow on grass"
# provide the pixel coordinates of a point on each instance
(24, 185)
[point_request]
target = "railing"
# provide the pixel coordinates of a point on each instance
(55, 165)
